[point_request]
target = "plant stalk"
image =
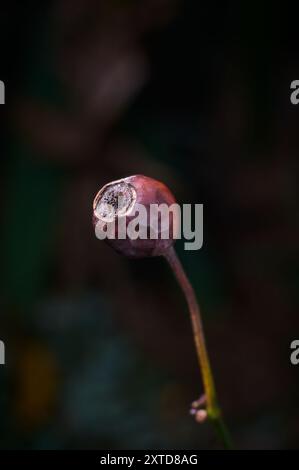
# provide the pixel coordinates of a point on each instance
(213, 408)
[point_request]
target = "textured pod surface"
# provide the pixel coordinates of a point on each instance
(119, 199)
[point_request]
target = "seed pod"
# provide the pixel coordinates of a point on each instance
(131, 204)
(117, 202)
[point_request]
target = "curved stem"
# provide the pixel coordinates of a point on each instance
(213, 409)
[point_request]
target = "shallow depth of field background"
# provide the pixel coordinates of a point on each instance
(99, 349)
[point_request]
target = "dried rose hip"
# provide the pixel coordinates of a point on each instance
(122, 199)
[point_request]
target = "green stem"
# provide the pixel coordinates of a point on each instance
(213, 408)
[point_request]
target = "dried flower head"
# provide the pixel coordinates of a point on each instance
(120, 200)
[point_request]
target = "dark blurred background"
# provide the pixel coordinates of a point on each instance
(99, 350)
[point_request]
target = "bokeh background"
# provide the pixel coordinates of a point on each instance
(99, 351)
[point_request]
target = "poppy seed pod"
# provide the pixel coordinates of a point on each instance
(136, 204)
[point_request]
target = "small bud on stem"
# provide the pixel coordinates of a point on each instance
(117, 202)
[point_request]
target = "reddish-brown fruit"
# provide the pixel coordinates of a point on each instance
(134, 190)
(116, 202)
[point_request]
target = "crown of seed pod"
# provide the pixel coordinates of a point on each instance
(122, 201)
